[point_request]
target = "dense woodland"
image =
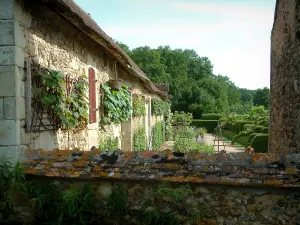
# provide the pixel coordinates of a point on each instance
(193, 86)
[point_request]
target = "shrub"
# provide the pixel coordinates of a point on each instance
(210, 125)
(265, 130)
(117, 201)
(258, 129)
(139, 139)
(201, 131)
(240, 125)
(211, 116)
(158, 137)
(260, 143)
(11, 180)
(182, 119)
(168, 127)
(109, 143)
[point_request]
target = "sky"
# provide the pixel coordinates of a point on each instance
(234, 34)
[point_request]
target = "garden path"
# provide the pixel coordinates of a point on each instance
(209, 139)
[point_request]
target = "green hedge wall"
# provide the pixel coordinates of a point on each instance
(210, 125)
(260, 143)
(211, 116)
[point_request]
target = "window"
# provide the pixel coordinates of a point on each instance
(92, 96)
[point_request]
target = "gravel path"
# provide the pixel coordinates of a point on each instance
(209, 140)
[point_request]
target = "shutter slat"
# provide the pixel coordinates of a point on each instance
(92, 96)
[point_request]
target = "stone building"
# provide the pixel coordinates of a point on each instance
(285, 78)
(59, 35)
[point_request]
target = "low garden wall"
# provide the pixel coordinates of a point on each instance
(235, 188)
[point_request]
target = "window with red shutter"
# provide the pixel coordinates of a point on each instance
(92, 95)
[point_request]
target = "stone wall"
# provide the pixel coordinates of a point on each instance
(285, 78)
(11, 78)
(235, 188)
(28, 34)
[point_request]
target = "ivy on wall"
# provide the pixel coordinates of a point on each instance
(159, 107)
(63, 99)
(158, 135)
(138, 106)
(117, 105)
(139, 139)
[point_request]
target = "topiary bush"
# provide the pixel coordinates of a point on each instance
(260, 143)
(265, 130)
(139, 139)
(210, 125)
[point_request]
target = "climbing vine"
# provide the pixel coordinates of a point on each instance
(158, 135)
(159, 107)
(138, 106)
(139, 139)
(117, 105)
(64, 99)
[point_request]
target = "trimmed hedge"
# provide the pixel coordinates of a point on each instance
(265, 130)
(260, 143)
(258, 129)
(240, 125)
(210, 125)
(243, 140)
(211, 116)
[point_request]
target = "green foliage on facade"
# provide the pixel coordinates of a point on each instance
(139, 139)
(68, 108)
(158, 135)
(159, 107)
(117, 105)
(138, 106)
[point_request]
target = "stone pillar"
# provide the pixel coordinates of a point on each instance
(285, 78)
(127, 134)
(12, 106)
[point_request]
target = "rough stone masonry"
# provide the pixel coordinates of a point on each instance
(285, 78)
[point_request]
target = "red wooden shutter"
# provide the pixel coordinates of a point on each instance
(92, 95)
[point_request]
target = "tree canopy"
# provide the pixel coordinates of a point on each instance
(193, 86)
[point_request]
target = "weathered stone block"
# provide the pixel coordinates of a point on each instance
(7, 55)
(7, 81)
(1, 110)
(11, 152)
(19, 37)
(14, 108)
(7, 34)
(6, 9)
(19, 56)
(9, 132)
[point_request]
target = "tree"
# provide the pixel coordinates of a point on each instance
(262, 97)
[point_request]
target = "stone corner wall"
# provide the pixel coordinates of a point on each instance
(285, 79)
(12, 94)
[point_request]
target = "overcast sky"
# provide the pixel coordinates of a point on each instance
(234, 34)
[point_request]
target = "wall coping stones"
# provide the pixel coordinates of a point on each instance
(238, 169)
